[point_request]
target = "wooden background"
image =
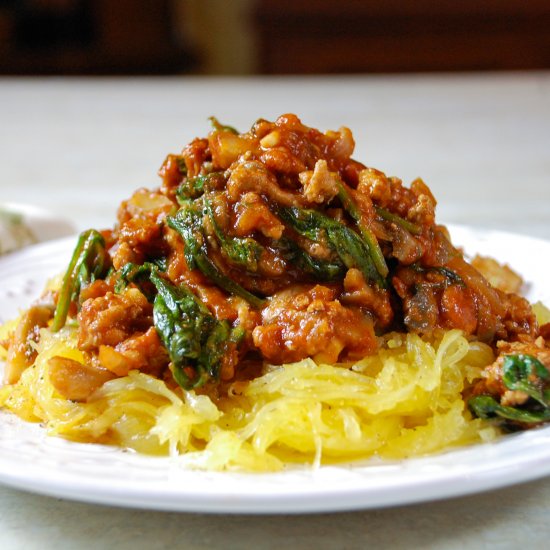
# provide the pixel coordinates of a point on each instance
(271, 36)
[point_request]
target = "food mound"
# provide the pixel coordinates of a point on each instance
(276, 301)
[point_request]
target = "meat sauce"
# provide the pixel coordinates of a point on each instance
(248, 177)
(286, 248)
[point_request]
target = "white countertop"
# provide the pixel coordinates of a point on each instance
(482, 143)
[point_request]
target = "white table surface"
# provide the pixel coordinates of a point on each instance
(482, 143)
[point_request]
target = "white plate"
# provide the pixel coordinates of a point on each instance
(93, 473)
(23, 224)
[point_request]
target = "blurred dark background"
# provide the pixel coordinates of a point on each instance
(139, 37)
